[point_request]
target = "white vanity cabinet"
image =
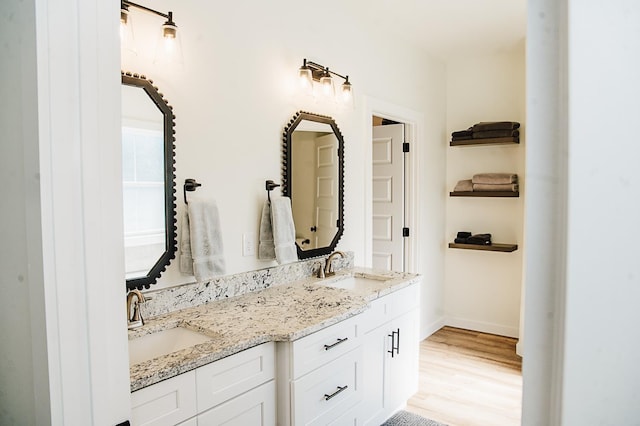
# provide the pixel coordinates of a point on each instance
(236, 390)
(320, 376)
(391, 350)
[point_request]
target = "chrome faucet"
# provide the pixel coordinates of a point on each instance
(328, 270)
(135, 320)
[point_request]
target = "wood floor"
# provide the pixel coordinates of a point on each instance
(469, 378)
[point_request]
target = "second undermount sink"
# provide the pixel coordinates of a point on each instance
(163, 342)
(355, 283)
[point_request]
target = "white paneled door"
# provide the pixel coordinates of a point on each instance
(326, 202)
(388, 197)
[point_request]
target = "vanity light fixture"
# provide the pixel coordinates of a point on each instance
(311, 71)
(168, 46)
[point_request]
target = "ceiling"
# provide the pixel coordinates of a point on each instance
(450, 28)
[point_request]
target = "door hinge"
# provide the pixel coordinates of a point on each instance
(405, 147)
(405, 232)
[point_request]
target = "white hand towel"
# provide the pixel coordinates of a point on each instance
(206, 239)
(266, 248)
(186, 261)
(284, 232)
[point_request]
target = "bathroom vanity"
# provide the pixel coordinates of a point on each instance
(341, 350)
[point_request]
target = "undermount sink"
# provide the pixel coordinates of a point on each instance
(354, 283)
(163, 342)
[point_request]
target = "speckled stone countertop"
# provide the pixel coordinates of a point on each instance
(280, 313)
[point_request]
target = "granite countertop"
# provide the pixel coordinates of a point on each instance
(281, 313)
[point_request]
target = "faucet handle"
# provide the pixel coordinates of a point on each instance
(320, 269)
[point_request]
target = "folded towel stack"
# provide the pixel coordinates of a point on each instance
(486, 182)
(495, 182)
(489, 130)
(477, 239)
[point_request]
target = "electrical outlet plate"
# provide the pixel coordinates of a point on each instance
(249, 244)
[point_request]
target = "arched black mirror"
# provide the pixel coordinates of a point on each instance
(148, 181)
(313, 178)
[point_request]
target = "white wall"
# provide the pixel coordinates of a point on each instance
(482, 289)
(63, 330)
(24, 388)
(601, 339)
(236, 93)
(580, 354)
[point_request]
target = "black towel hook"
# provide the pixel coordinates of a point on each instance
(269, 185)
(189, 185)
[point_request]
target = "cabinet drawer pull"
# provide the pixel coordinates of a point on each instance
(340, 389)
(327, 347)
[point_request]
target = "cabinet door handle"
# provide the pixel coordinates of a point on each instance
(395, 343)
(340, 389)
(327, 347)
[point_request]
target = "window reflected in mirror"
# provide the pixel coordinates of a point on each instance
(147, 182)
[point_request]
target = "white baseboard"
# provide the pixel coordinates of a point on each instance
(484, 327)
(432, 328)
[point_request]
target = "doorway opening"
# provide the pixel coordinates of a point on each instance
(389, 152)
(399, 225)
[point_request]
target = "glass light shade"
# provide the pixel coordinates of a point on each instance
(347, 92)
(169, 46)
(326, 85)
(127, 41)
(306, 79)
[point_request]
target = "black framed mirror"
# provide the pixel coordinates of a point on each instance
(313, 177)
(148, 179)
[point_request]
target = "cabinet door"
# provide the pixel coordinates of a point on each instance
(373, 359)
(401, 366)
(256, 407)
(389, 379)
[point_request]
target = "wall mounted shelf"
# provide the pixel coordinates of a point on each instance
(505, 248)
(484, 194)
(491, 141)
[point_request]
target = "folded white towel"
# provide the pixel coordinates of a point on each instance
(205, 239)
(185, 259)
(284, 232)
(266, 247)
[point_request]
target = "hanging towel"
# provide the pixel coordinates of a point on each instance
(284, 232)
(266, 248)
(495, 178)
(205, 239)
(186, 261)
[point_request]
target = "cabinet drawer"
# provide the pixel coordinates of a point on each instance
(166, 403)
(222, 380)
(256, 408)
(314, 350)
(328, 392)
(388, 307)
